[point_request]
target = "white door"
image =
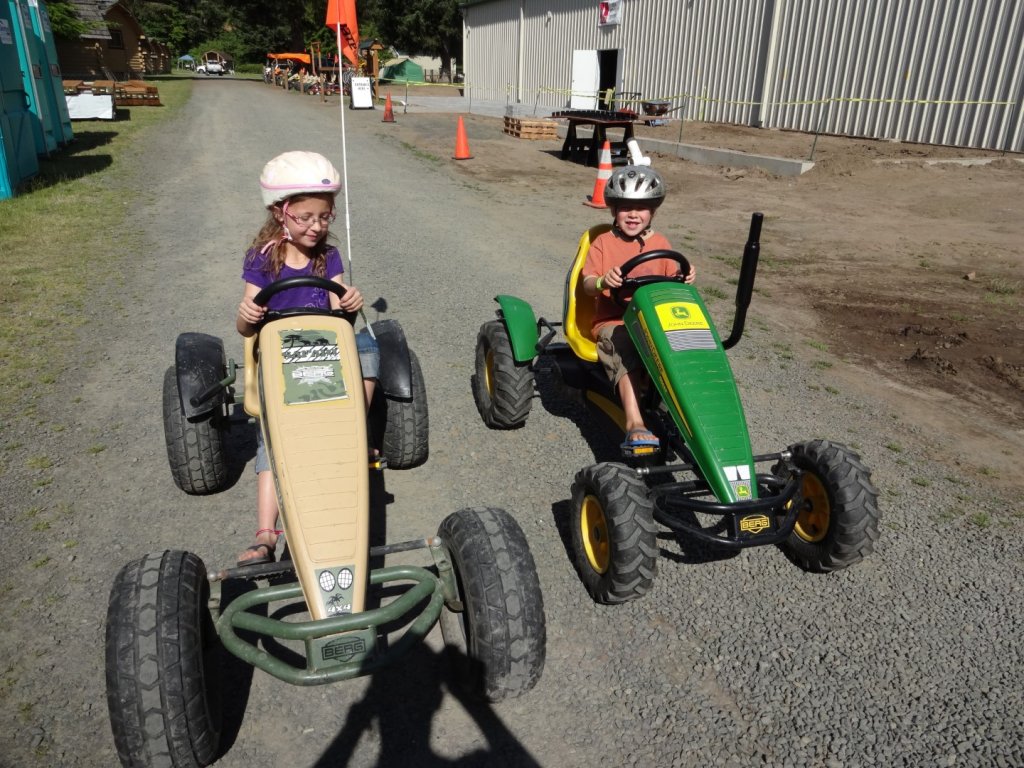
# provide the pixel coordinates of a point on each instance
(585, 80)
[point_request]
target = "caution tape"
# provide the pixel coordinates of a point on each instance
(611, 96)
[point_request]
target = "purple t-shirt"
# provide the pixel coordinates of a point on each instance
(255, 271)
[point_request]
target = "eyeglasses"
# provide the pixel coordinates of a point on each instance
(306, 220)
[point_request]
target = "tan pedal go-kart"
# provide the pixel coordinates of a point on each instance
(164, 635)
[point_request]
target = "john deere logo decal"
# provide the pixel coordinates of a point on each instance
(754, 523)
(681, 316)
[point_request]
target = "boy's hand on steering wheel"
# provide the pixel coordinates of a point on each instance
(612, 278)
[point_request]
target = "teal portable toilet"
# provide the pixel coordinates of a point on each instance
(33, 82)
(52, 79)
(18, 160)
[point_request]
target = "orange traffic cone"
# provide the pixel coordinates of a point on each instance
(461, 143)
(604, 172)
(389, 114)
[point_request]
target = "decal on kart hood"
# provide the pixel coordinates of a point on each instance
(685, 326)
(681, 316)
(312, 367)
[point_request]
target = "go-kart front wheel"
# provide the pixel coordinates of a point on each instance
(502, 388)
(614, 536)
(497, 642)
(162, 663)
(837, 525)
(407, 424)
(195, 447)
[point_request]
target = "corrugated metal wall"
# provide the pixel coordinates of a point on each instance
(938, 71)
(934, 71)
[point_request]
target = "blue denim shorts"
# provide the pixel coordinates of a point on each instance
(369, 363)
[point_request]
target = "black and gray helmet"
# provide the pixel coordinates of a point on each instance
(635, 182)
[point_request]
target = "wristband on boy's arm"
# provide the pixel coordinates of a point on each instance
(599, 283)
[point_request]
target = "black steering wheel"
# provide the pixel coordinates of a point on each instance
(632, 283)
(303, 281)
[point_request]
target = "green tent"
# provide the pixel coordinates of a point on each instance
(403, 71)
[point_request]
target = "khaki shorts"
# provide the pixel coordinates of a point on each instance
(616, 352)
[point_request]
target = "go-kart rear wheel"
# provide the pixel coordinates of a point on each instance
(497, 642)
(502, 388)
(614, 536)
(407, 424)
(162, 663)
(195, 447)
(838, 523)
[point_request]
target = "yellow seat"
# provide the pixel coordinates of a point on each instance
(578, 308)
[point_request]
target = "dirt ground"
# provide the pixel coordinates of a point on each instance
(885, 254)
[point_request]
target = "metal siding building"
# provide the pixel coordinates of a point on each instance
(933, 71)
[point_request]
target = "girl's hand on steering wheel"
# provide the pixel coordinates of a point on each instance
(352, 301)
(691, 275)
(250, 311)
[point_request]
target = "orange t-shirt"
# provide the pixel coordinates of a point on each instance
(611, 250)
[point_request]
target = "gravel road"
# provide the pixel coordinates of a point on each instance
(912, 657)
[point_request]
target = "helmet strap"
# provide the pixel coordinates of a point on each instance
(639, 237)
(285, 234)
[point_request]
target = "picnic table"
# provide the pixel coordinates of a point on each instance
(602, 120)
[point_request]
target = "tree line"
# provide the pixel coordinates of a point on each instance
(249, 29)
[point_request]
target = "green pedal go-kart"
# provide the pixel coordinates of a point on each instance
(165, 637)
(816, 501)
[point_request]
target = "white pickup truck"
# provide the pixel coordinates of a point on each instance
(212, 64)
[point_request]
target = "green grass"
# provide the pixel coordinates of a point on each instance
(1003, 286)
(981, 519)
(60, 233)
(711, 292)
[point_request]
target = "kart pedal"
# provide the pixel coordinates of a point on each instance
(639, 451)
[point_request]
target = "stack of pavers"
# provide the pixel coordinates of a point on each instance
(530, 129)
(136, 93)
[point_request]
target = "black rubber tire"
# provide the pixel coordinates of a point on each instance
(844, 533)
(498, 642)
(407, 426)
(614, 536)
(502, 388)
(195, 447)
(162, 664)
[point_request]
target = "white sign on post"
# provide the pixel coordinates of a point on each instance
(362, 95)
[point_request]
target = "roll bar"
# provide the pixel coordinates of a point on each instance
(745, 286)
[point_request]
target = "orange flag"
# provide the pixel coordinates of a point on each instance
(342, 14)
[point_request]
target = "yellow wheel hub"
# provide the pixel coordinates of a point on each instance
(489, 372)
(813, 520)
(595, 533)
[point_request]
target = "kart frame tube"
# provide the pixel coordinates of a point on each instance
(436, 590)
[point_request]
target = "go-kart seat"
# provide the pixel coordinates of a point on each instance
(578, 308)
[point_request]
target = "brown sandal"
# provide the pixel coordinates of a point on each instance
(269, 550)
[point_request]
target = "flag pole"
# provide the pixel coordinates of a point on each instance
(344, 172)
(344, 153)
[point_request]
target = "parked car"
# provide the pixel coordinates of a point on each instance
(213, 64)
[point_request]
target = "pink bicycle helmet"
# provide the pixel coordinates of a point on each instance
(298, 173)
